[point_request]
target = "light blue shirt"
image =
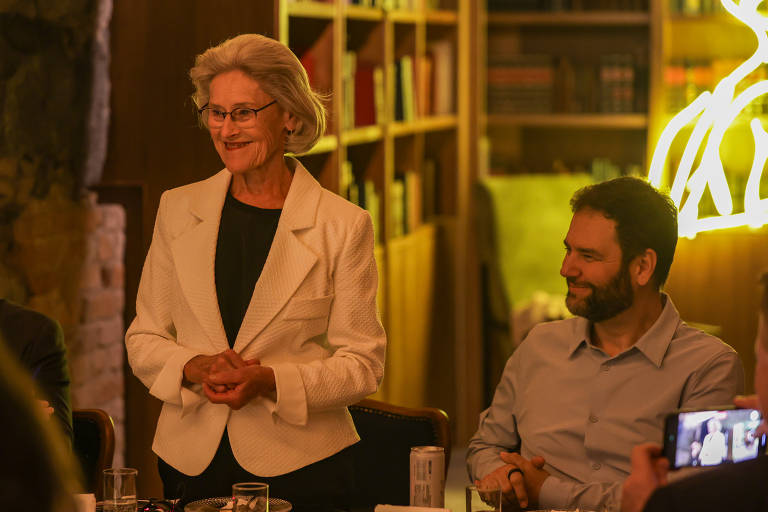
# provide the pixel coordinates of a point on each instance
(565, 399)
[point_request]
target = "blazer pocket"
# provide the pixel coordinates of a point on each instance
(305, 308)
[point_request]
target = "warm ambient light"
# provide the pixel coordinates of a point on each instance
(716, 111)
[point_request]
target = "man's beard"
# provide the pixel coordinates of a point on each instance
(606, 301)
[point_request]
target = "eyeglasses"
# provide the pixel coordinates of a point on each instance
(244, 117)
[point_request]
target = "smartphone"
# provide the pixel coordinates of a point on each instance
(712, 437)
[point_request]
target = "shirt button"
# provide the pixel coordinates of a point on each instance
(592, 418)
(596, 466)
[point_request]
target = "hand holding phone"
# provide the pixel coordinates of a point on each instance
(712, 437)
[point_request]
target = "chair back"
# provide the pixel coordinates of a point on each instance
(382, 457)
(94, 446)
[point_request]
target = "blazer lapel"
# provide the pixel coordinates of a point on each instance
(194, 253)
(289, 260)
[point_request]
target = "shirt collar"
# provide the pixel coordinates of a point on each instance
(653, 344)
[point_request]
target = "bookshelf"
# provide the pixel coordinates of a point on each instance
(566, 85)
(397, 144)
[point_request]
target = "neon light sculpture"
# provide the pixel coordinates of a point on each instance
(717, 110)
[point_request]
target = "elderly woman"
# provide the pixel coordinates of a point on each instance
(256, 320)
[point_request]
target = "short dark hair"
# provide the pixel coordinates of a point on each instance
(645, 218)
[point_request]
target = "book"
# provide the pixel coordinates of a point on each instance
(428, 184)
(425, 81)
(443, 55)
(364, 89)
(413, 201)
(398, 91)
(347, 181)
(407, 88)
(397, 205)
(317, 60)
(520, 83)
(378, 95)
(372, 205)
(348, 70)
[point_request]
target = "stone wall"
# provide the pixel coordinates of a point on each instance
(67, 258)
(61, 253)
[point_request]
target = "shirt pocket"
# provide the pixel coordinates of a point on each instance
(301, 308)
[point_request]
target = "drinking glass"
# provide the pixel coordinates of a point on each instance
(120, 490)
(483, 498)
(250, 497)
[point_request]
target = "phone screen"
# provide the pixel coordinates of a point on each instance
(710, 438)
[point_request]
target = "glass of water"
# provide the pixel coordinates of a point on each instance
(120, 490)
(484, 498)
(250, 497)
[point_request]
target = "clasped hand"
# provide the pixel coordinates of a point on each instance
(520, 480)
(229, 379)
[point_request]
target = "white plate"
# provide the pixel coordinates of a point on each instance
(275, 504)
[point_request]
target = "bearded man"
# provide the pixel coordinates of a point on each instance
(578, 394)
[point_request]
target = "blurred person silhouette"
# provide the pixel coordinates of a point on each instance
(38, 343)
(713, 448)
(740, 486)
(38, 471)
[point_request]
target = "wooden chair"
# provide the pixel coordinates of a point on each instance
(382, 457)
(94, 446)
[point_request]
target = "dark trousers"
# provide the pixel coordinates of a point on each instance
(324, 486)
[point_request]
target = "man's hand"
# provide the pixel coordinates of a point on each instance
(649, 471)
(752, 402)
(531, 476)
(197, 369)
(47, 409)
(237, 387)
(509, 478)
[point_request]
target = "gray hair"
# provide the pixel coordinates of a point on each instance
(279, 74)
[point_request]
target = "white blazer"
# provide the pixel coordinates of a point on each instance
(312, 319)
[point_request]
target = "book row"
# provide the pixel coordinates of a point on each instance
(567, 5)
(382, 4)
(412, 197)
(600, 168)
(424, 86)
(695, 7)
(685, 80)
(616, 83)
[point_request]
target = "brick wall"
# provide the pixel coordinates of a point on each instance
(70, 254)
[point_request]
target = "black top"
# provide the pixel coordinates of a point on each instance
(245, 237)
(742, 487)
(38, 341)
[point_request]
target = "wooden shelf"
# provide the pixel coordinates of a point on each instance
(425, 124)
(308, 9)
(584, 18)
(403, 181)
(404, 16)
(441, 17)
(618, 121)
(708, 19)
(326, 144)
(363, 135)
(355, 12)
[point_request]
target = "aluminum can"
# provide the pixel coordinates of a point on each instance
(428, 476)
